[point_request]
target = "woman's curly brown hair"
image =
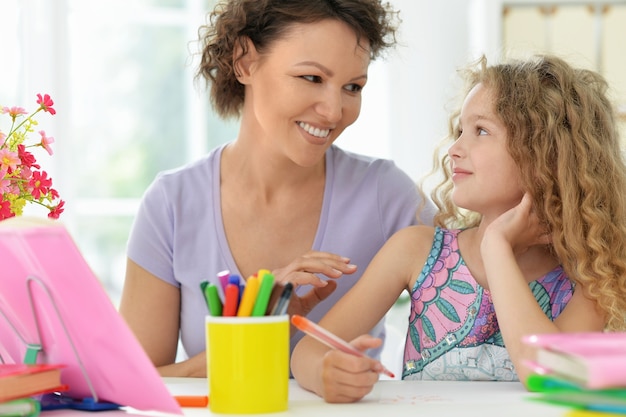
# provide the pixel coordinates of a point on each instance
(265, 21)
(563, 135)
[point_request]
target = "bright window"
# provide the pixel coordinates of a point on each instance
(121, 74)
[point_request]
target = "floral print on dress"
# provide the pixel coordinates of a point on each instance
(452, 313)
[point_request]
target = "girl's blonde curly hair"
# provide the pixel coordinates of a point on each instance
(563, 135)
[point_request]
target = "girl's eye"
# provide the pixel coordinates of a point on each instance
(313, 78)
(354, 88)
(482, 132)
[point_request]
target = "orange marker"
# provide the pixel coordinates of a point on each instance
(192, 400)
(329, 339)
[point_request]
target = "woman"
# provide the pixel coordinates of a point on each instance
(280, 196)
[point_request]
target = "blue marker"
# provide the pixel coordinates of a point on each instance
(236, 279)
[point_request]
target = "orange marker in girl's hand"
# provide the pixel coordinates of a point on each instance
(329, 339)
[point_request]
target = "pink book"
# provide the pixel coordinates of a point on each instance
(50, 296)
(596, 360)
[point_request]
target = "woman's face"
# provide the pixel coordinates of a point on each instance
(306, 89)
(486, 179)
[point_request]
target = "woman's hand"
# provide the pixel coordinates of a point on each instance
(304, 271)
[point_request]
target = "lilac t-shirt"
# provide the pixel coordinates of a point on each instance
(178, 234)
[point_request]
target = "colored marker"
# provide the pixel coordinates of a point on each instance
(249, 297)
(329, 339)
(263, 297)
(231, 300)
(223, 277)
(283, 302)
(212, 298)
(23, 407)
(236, 279)
(192, 400)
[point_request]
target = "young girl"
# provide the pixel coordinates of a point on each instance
(530, 237)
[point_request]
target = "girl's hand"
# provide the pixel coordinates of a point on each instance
(518, 227)
(347, 378)
(304, 270)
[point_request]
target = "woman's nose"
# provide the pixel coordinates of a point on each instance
(331, 106)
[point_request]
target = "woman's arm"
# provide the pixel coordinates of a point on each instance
(151, 307)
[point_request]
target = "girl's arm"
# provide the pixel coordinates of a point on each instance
(340, 377)
(517, 310)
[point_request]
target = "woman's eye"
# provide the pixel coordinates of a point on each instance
(354, 88)
(482, 132)
(312, 78)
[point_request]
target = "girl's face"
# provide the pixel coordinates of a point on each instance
(486, 179)
(306, 89)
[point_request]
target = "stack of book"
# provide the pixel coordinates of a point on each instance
(585, 371)
(21, 384)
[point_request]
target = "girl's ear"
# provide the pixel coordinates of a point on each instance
(245, 56)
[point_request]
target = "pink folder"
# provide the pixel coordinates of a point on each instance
(49, 294)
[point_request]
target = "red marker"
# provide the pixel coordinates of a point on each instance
(231, 300)
(329, 339)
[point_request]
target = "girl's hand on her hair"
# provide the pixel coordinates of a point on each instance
(518, 227)
(304, 271)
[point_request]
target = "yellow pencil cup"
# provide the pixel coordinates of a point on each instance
(247, 364)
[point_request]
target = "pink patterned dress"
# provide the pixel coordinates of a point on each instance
(453, 330)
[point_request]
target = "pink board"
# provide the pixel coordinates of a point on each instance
(73, 316)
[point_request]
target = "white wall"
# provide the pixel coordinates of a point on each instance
(421, 74)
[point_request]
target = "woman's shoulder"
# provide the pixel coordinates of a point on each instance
(199, 170)
(353, 164)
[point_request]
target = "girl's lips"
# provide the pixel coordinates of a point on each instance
(460, 173)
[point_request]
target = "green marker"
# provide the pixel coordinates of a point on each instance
(212, 298)
(263, 297)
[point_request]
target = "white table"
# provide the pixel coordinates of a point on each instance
(402, 398)
(389, 398)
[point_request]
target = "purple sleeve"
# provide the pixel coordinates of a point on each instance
(151, 236)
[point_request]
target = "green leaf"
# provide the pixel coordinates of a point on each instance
(429, 329)
(461, 287)
(447, 310)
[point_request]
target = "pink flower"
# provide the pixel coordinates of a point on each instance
(21, 180)
(40, 183)
(27, 158)
(5, 210)
(56, 211)
(14, 111)
(8, 159)
(46, 141)
(4, 182)
(25, 172)
(46, 103)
